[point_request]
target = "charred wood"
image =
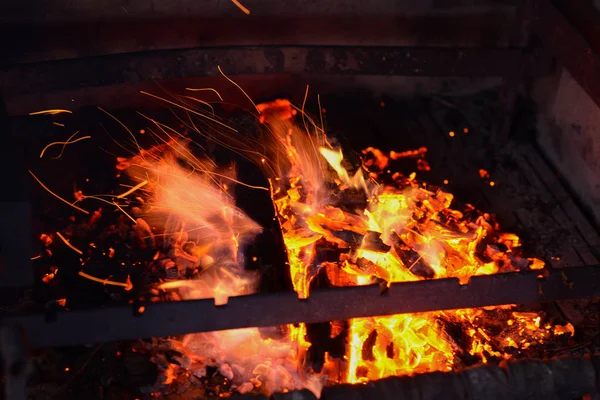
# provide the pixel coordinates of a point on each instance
(411, 259)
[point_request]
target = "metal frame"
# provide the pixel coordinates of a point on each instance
(323, 305)
(318, 60)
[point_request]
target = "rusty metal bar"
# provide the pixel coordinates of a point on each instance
(262, 310)
(571, 49)
(324, 60)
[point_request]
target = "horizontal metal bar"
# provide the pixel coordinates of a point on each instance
(339, 60)
(558, 378)
(571, 49)
(263, 310)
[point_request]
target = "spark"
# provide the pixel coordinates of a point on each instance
(303, 113)
(96, 197)
(58, 124)
(133, 189)
(238, 182)
(212, 109)
(123, 125)
(241, 7)
(127, 285)
(188, 110)
(69, 141)
(75, 249)
(204, 89)
(238, 86)
(320, 113)
(51, 112)
(35, 258)
(123, 211)
(57, 196)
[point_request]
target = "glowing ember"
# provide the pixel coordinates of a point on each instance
(400, 232)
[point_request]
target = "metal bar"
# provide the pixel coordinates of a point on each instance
(337, 60)
(262, 310)
(558, 378)
(570, 48)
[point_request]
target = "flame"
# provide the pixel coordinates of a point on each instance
(399, 231)
(185, 196)
(384, 226)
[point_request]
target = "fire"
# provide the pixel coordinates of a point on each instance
(393, 231)
(382, 227)
(396, 345)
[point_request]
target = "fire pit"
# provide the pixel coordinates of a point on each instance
(207, 237)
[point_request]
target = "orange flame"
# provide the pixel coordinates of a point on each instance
(409, 233)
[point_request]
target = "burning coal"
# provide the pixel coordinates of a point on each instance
(343, 223)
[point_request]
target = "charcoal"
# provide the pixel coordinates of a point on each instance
(318, 335)
(369, 267)
(368, 346)
(349, 200)
(411, 259)
(353, 239)
(372, 241)
(325, 253)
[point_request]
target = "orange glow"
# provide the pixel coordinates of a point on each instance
(561, 330)
(51, 112)
(278, 109)
(421, 237)
(65, 241)
(241, 7)
(133, 189)
(57, 196)
(127, 285)
(64, 144)
(381, 227)
(420, 152)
